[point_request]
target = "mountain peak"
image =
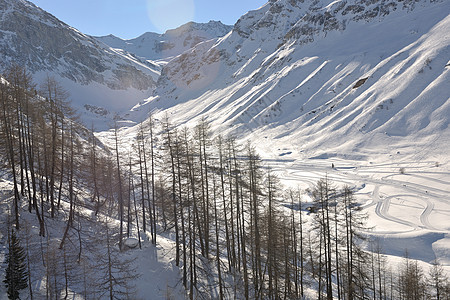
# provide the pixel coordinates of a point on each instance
(213, 28)
(153, 46)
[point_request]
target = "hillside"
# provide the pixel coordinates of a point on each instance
(299, 81)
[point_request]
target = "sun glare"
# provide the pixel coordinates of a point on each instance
(170, 14)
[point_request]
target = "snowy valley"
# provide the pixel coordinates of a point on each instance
(299, 153)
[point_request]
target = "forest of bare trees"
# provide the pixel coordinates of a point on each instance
(238, 232)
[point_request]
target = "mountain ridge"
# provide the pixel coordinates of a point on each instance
(47, 44)
(154, 46)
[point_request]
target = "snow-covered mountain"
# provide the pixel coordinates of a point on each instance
(356, 91)
(153, 46)
(319, 73)
(94, 74)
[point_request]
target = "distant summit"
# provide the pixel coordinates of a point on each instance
(153, 46)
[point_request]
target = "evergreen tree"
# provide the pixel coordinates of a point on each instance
(16, 278)
(437, 281)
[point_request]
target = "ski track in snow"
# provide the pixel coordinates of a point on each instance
(426, 214)
(382, 210)
(406, 203)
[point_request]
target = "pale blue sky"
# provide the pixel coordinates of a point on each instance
(130, 18)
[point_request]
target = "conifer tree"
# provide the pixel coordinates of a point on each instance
(16, 278)
(437, 281)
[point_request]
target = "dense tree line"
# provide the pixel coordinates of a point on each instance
(237, 232)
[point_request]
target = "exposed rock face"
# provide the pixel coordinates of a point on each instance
(33, 38)
(300, 20)
(96, 110)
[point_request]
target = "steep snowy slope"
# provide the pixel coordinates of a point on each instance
(153, 46)
(94, 74)
(321, 74)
